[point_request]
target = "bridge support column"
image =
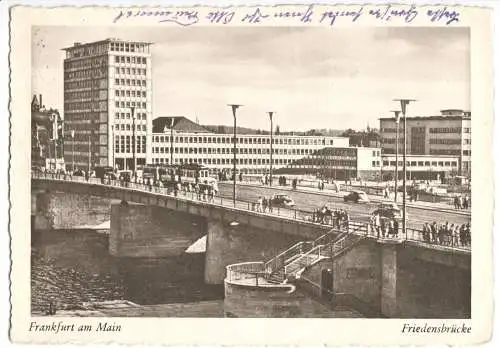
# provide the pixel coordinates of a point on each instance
(389, 278)
(148, 231)
(41, 218)
(230, 242)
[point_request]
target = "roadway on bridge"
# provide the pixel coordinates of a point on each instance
(358, 212)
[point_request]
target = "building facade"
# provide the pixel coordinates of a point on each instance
(46, 135)
(339, 163)
(446, 135)
(192, 143)
(420, 167)
(107, 100)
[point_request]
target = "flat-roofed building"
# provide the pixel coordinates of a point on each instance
(339, 163)
(107, 99)
(192, 143)
(448, 134)
(421, 167)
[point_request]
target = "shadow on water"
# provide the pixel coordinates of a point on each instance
(72, 267)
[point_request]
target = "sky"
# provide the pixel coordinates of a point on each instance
(314, 77)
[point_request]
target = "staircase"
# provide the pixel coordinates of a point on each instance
(293, 261)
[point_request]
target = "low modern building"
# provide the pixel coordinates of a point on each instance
(339, 163)
(420, 167)
(448, 134)
(192, 143)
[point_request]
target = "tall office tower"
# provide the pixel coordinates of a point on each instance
(107, 100)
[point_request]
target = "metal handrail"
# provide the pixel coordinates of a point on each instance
(312, 252)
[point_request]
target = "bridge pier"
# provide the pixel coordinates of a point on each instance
(389, 278)
(230, 242)
(41, 218)
(398, 280)
(147, 231)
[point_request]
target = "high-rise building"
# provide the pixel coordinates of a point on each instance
(107, 100)
(448, 134)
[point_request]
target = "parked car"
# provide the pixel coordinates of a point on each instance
(356, 197)
(389, 210)
(282, 200)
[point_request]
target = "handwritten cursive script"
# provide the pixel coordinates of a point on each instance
(300, 14)
(181, 17)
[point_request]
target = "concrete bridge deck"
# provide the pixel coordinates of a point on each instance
(242, 212)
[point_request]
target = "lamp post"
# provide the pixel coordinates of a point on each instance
(172, 142)
(73, 151)
(396, 117)
(132, 109)
(90, 154)
(270, 113)
(234, 107)
(113, 147)
(404, 103)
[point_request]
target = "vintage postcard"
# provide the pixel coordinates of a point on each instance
(252, 175)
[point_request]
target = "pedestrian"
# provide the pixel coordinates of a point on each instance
(270, 204)
(259, 202)
(264, 204)
(396, 228)
(425, 232)
(377, 224)
(466, 202)
(434, 231)
(391, 227)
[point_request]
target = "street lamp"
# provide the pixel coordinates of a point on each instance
(270, 113)
(132, 109)
(172, 141)
(90, 154)
(404, 103)
(73, 150)
(396, 117)
(234, 107)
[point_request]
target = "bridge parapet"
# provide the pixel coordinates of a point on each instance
(287, 220)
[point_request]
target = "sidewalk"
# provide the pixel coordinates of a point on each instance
(374, 198)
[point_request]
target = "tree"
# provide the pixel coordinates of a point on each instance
(361, 138)
(277, 131)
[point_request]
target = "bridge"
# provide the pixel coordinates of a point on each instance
(388, 274)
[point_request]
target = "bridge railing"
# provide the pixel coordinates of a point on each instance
(362, 228)
(247, 273)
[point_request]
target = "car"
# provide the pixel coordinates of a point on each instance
(389, 210)
(282, 200)
(356, 197)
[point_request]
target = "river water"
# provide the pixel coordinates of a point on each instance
(72, 267)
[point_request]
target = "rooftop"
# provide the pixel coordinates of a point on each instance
(179, 123)
(446, 114)
(79, 44)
